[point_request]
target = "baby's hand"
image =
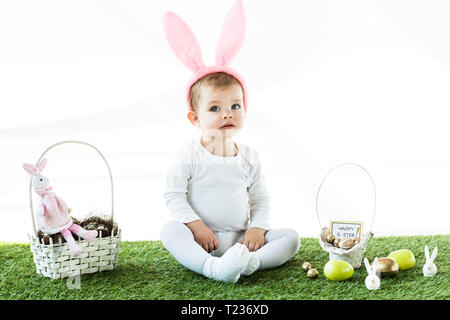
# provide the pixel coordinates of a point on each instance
(254, 238)
(203, 235)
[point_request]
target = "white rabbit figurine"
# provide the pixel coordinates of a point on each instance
(430, 269)
(372, 280)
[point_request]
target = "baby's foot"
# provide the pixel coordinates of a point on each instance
(253, 264)
(228, 267)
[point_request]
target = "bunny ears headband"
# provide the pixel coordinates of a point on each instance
(186, 47)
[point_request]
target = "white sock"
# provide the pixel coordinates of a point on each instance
(228, 267)
(253, 264)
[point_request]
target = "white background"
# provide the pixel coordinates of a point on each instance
(329, 82)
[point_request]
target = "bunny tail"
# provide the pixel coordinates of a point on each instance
(183, 42)
(232, 34)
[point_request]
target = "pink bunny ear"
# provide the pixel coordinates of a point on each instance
(183, 42)
(41, 165)
(30, 168)
(232, 35)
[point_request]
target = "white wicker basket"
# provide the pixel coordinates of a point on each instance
(54, 260)
(354, 255)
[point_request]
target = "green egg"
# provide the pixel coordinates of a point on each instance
(338, 270)
(404, 258)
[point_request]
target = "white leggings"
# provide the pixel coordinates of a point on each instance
(280, 245)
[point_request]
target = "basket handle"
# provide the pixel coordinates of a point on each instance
(371, 179)
(78, 142)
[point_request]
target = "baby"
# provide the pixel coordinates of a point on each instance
(215, 189)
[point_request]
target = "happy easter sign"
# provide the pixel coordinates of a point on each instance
(346, 229)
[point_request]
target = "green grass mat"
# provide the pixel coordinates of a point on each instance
(147, 271)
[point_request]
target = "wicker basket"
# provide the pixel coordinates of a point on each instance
(54, 260)
(354, 255)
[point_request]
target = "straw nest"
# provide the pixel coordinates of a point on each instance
(97, 222)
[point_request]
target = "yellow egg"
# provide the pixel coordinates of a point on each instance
(404, 258)
(338, 270)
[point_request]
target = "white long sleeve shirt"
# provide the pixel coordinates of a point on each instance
(226, 193)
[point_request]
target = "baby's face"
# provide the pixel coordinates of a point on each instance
(220, 112)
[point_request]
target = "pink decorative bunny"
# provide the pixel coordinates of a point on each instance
(53, 214)
(186, 47)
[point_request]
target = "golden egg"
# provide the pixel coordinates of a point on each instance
(330, 238)
(323, 234)
(387, 267)
(306, 266)
(336, 242)
(312, 273)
